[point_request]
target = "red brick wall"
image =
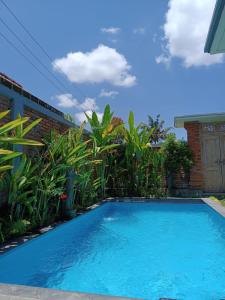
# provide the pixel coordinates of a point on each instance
(42, 129)
(45, 126)
(37, 133)
(194, 141)
(4, 105)
(180, 181)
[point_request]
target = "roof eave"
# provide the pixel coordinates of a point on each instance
(214, 25)
(179, 121)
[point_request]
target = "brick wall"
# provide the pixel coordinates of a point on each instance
(194, 142)
(37, 133)
(181, 181)
(4, 105)
(44, 127)
(41, 130)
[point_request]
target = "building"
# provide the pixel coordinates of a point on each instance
(206, 133)
(215, 42)
(206, 138)
(15, 98)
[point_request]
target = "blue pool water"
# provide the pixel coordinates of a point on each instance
(145, 250)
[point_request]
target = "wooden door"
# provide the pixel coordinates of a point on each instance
(222, 154)
(212, 163)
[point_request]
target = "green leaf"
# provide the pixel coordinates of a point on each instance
(5, 151)
(19, 141)
(107, 116)
(72, 160)
(13, 124)
(131, 121)
(109, 147)
(95, 120)
(9, 156)
(29, 127)
(3, 114)
(5, 168)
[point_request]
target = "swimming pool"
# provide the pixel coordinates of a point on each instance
(144, 250)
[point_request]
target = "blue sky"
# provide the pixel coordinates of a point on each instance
(145, 56)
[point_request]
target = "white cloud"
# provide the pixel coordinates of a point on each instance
(103, 64)
(111, 30)
(185, 32)
(109, 94)
(163, 59)
(89, 104)
(66, 100)
(81, 117)
(139, 30)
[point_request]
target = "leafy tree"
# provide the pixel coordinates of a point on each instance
(159, 133)
(177, 157)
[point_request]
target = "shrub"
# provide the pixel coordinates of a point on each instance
(177, 157)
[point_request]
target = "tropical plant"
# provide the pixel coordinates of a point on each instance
(177, 158)
(21, 190)
(112, 160)
(13, 133)
(102, 135)
(141, 159)
(64, 154)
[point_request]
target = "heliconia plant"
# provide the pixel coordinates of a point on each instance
(13, 133)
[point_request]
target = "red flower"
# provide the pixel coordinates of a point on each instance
(63, 197)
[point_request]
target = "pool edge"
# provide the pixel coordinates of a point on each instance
(22, 292)
(215, 205)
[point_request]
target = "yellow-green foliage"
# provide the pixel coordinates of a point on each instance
(222, 202)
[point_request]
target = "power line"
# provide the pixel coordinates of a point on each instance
(31, 52)
(27, 31)
(30, 62)
(33, 38)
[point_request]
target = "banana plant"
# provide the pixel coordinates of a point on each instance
(139, 155)
(103, 133)
(13, 133)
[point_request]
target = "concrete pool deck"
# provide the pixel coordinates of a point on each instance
(19, 292)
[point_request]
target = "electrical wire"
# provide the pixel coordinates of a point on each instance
(31, 52)
(29, 61)
(34, 39)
